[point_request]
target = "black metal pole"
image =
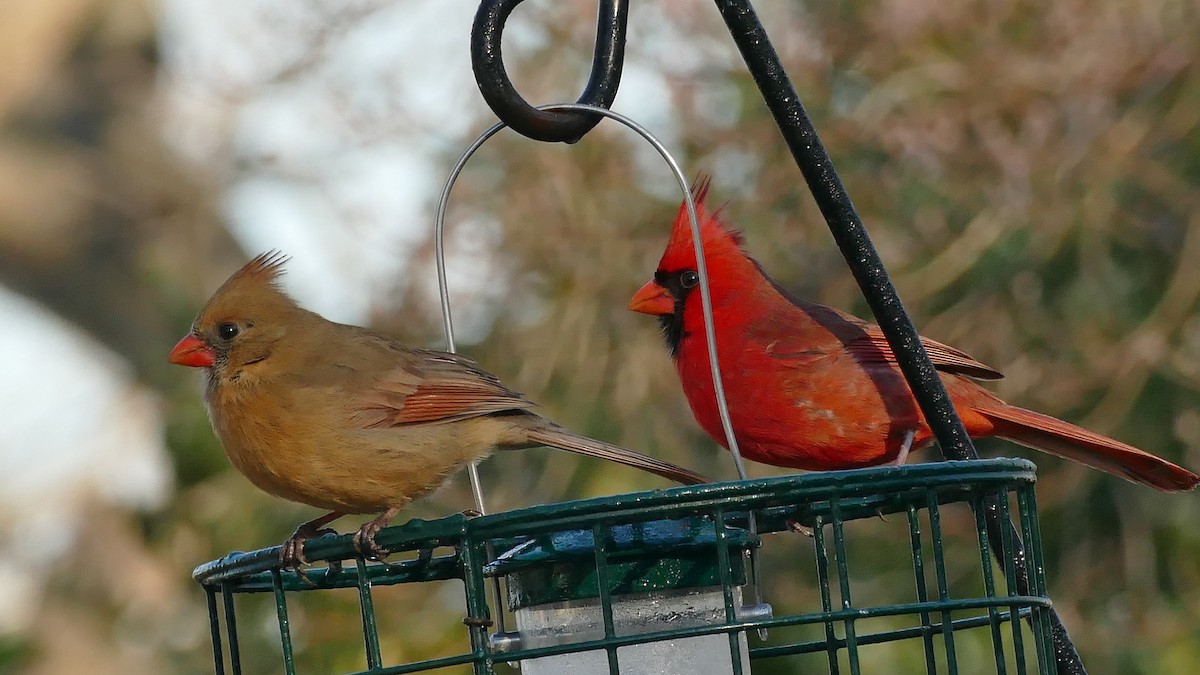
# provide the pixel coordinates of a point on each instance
(864, 262)
(847, 228)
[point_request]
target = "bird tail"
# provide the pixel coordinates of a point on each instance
(564, 440)
(1052, 435)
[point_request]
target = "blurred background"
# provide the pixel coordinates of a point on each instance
(1028, 171)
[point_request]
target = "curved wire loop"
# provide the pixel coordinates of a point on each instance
(439, 247)
(548, 123)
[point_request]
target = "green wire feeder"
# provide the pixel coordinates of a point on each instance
(626, 584)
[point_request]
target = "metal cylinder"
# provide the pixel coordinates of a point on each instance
(581, 620)
(655, 577)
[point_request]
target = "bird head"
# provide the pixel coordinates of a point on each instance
(676, 275)
(667, 294)
(242, 322)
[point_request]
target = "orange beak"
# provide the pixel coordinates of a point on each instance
(652, 299)
(194, 352)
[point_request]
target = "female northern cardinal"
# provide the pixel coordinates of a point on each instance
(346, 419)
(810, 387)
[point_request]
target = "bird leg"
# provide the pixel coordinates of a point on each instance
(902, 456)
(364, 539)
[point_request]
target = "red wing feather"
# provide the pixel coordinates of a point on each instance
(442, 388)
(873, 347)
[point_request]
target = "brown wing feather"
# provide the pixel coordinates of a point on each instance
(873, 347)
(437, 388)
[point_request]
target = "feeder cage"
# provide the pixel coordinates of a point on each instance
(660, 581)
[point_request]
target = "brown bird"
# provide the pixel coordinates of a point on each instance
(347, 419)
(811, 387)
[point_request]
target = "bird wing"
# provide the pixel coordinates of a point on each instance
(872, 347)
(435, 388)
(864, 341)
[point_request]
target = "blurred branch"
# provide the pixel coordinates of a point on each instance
(34, 38)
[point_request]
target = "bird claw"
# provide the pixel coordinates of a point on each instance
(291, 554)
(364, 542)
(471, 513)
(795, 526)
(332, 569)
(364, 539)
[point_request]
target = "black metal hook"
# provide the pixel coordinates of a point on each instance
(499, 92)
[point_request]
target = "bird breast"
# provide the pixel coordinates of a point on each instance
(303, 445)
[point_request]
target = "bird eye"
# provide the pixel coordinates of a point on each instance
(227, 331)
(689, 279)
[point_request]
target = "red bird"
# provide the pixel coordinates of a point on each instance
(811, 387)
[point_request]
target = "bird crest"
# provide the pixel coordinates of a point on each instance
(256, 282)
(265, 268)
(715, 234)
(263, 271)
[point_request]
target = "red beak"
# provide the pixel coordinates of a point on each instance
(652, 299)
(194, 352)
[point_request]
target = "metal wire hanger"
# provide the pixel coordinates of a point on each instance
(701, 270)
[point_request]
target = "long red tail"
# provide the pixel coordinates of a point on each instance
(1052, 435)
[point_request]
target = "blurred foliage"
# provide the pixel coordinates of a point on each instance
(1027, 170)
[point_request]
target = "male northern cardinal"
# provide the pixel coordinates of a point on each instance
(811, 387)
(347, 419)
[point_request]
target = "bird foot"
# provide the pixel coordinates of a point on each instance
(291, 554)
(796, 527)
(471, 513)
(364, 542)
(364, 539)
